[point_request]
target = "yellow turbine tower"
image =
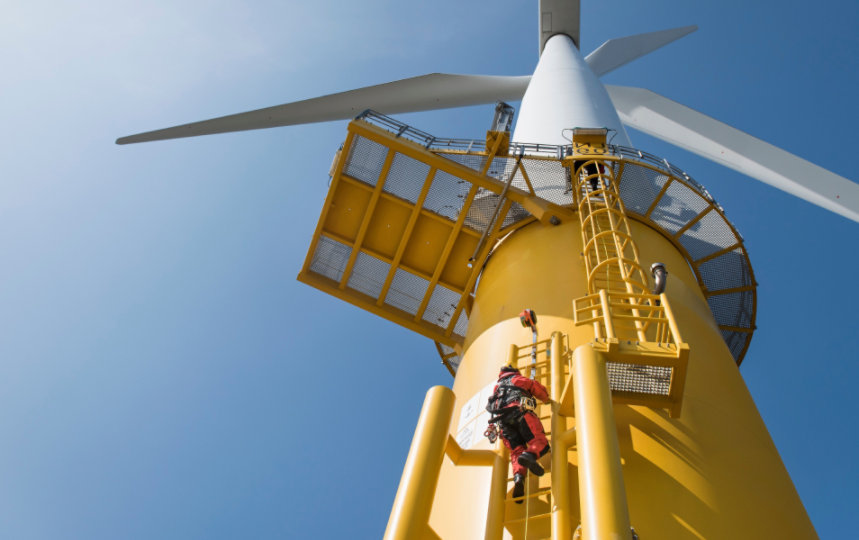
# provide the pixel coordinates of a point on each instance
(644, 294)
(647, 403)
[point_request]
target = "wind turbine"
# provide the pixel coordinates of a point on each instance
(564, 93)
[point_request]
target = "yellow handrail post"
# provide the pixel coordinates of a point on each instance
(604, 510)
(413, 502)
(606, 313)
(561, 529)
(512, 355)
(672, 322)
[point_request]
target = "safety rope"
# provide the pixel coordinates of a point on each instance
(527, 503)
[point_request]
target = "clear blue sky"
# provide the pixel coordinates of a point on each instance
(163, 375)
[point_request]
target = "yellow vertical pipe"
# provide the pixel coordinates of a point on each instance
(672, 322)
(606, 314)
(560, 472)
(413, 502)
(603, 497)
(497, 494)
(513, 355)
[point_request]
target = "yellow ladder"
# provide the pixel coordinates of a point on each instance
(610, 255)
(543, 510)
(646, 359)
(637, 346)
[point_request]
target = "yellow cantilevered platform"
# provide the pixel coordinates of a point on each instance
(404, 232)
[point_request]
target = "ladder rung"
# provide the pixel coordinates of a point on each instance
(533, 495)
(529, 518)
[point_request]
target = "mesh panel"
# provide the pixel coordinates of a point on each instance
(406, 178)
(708, 236)
(500, 168)
(747, 314)
(483, 206)
(639, 379)
(441, 305)
(726, 271)
(639, 186)
(548, 178)
(368, 275)
(365, 160)
(516, 214)
(453, 360)
(677, 207)
(446, 195)
(481, 210)
(736, 341)
(330, 258)
(461, 324)
(726, 308)
(471, 161)
(406, 292)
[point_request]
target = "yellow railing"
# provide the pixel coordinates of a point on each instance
(627, 317)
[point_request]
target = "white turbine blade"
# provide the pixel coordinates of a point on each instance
(616, 52)
(677, 124)
(424, 93)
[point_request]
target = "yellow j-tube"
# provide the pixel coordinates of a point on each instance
(713, 472)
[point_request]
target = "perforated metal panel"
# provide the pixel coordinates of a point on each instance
(406, 292)
(653, 380)
(330, 258)
(365, 160)
(406, 178)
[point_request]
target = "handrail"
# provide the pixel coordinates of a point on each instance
(605, 308)
(516, 148)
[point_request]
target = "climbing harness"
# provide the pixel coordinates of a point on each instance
(527, 403)
(505, 393)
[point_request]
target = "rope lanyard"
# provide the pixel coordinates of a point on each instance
(527, 503)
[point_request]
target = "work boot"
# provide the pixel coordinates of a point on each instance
(528, 459)
(518, 486)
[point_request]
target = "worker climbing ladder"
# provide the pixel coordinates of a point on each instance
(536, 516)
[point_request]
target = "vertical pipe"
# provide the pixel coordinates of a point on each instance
(606, 313)
(560, 471)
(497, 495)
(603, 497)
(413, 502)
(513, 356)
(672, 322)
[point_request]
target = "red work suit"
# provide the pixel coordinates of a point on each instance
(526, 433)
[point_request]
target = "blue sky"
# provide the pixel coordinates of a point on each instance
(163, 375)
